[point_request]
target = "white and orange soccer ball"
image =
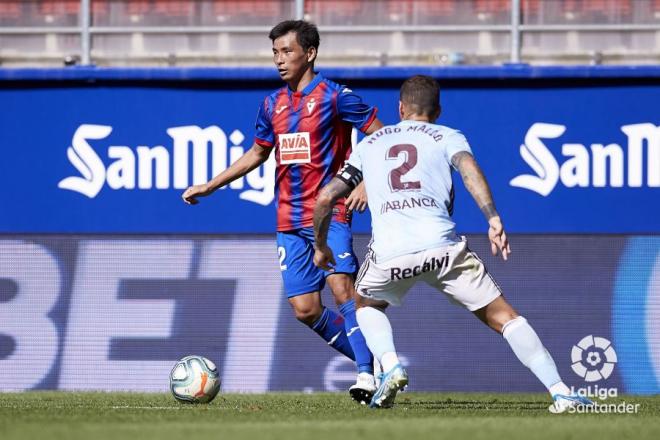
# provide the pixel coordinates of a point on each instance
(194, 379)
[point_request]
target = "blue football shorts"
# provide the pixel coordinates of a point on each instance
(296, 253)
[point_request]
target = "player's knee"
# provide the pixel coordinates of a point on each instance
(342, 291)
(499, 319)
(308, 315)
(361, 302)
(496, 314)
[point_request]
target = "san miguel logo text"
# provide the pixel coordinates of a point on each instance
(201, 150)
(596, 166)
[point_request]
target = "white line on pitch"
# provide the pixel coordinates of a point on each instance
(147, 407)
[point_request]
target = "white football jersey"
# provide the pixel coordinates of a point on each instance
(407, 172)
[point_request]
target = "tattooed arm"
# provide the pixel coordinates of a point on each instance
(476, 184)
(328, 196)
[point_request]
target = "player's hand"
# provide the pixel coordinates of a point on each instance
(497, 237)
(323, 258)
(190, 195)
(357, 199)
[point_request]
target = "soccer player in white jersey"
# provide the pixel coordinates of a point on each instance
(407, 172)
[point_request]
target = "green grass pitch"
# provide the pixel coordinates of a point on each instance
(98, 416)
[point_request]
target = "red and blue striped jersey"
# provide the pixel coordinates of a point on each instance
(311, 131)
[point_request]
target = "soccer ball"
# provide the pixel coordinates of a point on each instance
(194, 379)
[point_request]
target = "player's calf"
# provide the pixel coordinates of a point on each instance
(529, 349)
(325, 322)
(496, 314)
(343, 290)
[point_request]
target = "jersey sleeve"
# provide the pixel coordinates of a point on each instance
(455, 142)
(353, 110)
(264, 134)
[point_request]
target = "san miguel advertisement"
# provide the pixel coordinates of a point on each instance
(116, 158)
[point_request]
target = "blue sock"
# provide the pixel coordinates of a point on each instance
(363, 357)
(330, 326)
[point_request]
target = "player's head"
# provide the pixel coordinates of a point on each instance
(295, 45)
(419, 98)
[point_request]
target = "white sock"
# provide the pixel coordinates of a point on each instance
(377, 331)
(389, 361)
(529, 349)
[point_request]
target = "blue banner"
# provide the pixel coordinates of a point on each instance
(115, 156)
(114, 313)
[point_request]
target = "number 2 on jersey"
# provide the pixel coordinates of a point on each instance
(410, 152)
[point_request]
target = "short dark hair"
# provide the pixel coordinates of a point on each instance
(307, 33)
(422, 94)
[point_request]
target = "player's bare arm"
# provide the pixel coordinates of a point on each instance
(374, 127)
(357, 200)
(476, 184)
(254, 157)
(328, 196)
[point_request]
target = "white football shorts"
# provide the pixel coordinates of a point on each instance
(454, 270)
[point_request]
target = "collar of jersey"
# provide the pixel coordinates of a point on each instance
(412, 121)
(311, 86)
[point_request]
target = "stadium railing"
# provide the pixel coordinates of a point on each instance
(363, 32)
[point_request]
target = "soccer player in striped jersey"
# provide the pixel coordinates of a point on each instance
(407, 171)
(308, 124)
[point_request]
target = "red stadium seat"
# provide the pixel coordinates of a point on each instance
(67, 7)
(437, 8)
(59, 7)
(595, 8)
(619, 7)
(175, 8)
(138, 7)
(261, 8)
(399, 9)
(266, 8)
(10, 10)
(444, 8)
(100, 7)
(229, 7)
(492, 6)
(338, 8)
(571, 5)
(531, 6)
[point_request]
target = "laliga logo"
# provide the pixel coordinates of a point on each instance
(598, 166)
(146, 167)
(593, 358)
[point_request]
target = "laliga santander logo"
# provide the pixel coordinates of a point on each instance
(145, 167)
(593, 358)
